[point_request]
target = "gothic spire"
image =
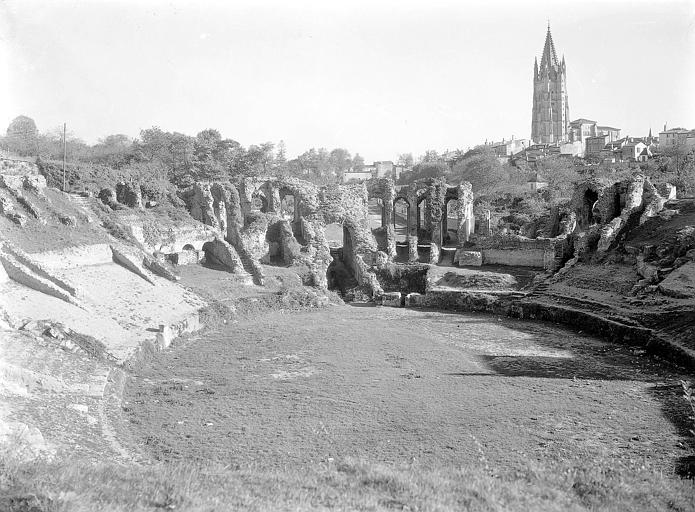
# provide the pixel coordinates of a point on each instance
(549, 57)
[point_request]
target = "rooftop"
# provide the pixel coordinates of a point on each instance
(582, 121)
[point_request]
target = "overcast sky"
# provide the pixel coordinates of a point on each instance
(378, 78)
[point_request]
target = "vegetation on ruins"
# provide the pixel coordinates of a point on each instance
(163, 162)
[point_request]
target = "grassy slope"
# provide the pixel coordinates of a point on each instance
(50, 233)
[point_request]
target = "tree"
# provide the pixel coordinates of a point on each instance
(208, 160)
(483, 170)
(113, 150)
(22, 136)
(430, 156)
(357, 162)
(260, 159)
(154, 146)
(424, 170)
(560, 173)
(406, 160)
(339, 161)
(50, 146)
(281, 166)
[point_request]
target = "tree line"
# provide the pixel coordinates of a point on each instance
(182, 158)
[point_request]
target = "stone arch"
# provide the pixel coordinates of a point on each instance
(450, 222)
(401, 218)
(376, 208)
(259, 201)
(335, 235)
(288, 204)
(591, 214)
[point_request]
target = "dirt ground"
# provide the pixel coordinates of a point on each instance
(396, 386)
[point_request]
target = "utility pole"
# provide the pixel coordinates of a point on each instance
(65, 150)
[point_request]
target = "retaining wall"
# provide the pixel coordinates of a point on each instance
(546, 253)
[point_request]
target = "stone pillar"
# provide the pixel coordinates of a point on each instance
(272, 196)
(435, 225)
(487, 224)
(412, 249)
(434, 253)
(387, 217)
(245, 197)
(412, 218)
(221, 212)
(465, 212)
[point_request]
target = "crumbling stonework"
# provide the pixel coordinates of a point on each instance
(108, 197)
(129, 194)
(219, 252)
(515, 250)
(610, 208)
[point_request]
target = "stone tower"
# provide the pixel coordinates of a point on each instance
(550, 119)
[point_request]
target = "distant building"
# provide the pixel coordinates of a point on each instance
(356, 176)
(632, 150)
(536, 183)
(571, 149)
(387, 169)
(536, 152)
(676, 137)
(582, 130)
(612, 133)
(510, 147)
(381, 169)
(628, 149)
(594, 146)
(550, 115)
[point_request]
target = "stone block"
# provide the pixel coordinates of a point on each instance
(680, 283)
(131, 262)
(414, 300)
(468, 258)
(647, 271)
(391, 299)
(186, 257)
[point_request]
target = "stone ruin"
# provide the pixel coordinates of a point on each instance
(606, 210)
(18, 177)
(282, 221)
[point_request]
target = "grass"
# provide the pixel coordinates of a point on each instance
(77, 485)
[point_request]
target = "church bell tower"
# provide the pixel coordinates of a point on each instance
(550, 117)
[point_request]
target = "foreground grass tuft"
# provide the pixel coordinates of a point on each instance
(78, 485)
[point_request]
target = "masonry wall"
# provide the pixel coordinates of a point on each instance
(546, 253)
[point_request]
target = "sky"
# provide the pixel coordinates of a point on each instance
(379, 78)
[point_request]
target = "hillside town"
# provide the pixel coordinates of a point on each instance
(553, 134)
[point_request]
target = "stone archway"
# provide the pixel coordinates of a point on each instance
(450, 222)
(401, 219)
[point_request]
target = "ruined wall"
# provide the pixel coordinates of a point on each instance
(619, 206)
(514, 250)
(265, 237)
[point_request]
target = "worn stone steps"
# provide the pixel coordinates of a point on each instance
(85, 203)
